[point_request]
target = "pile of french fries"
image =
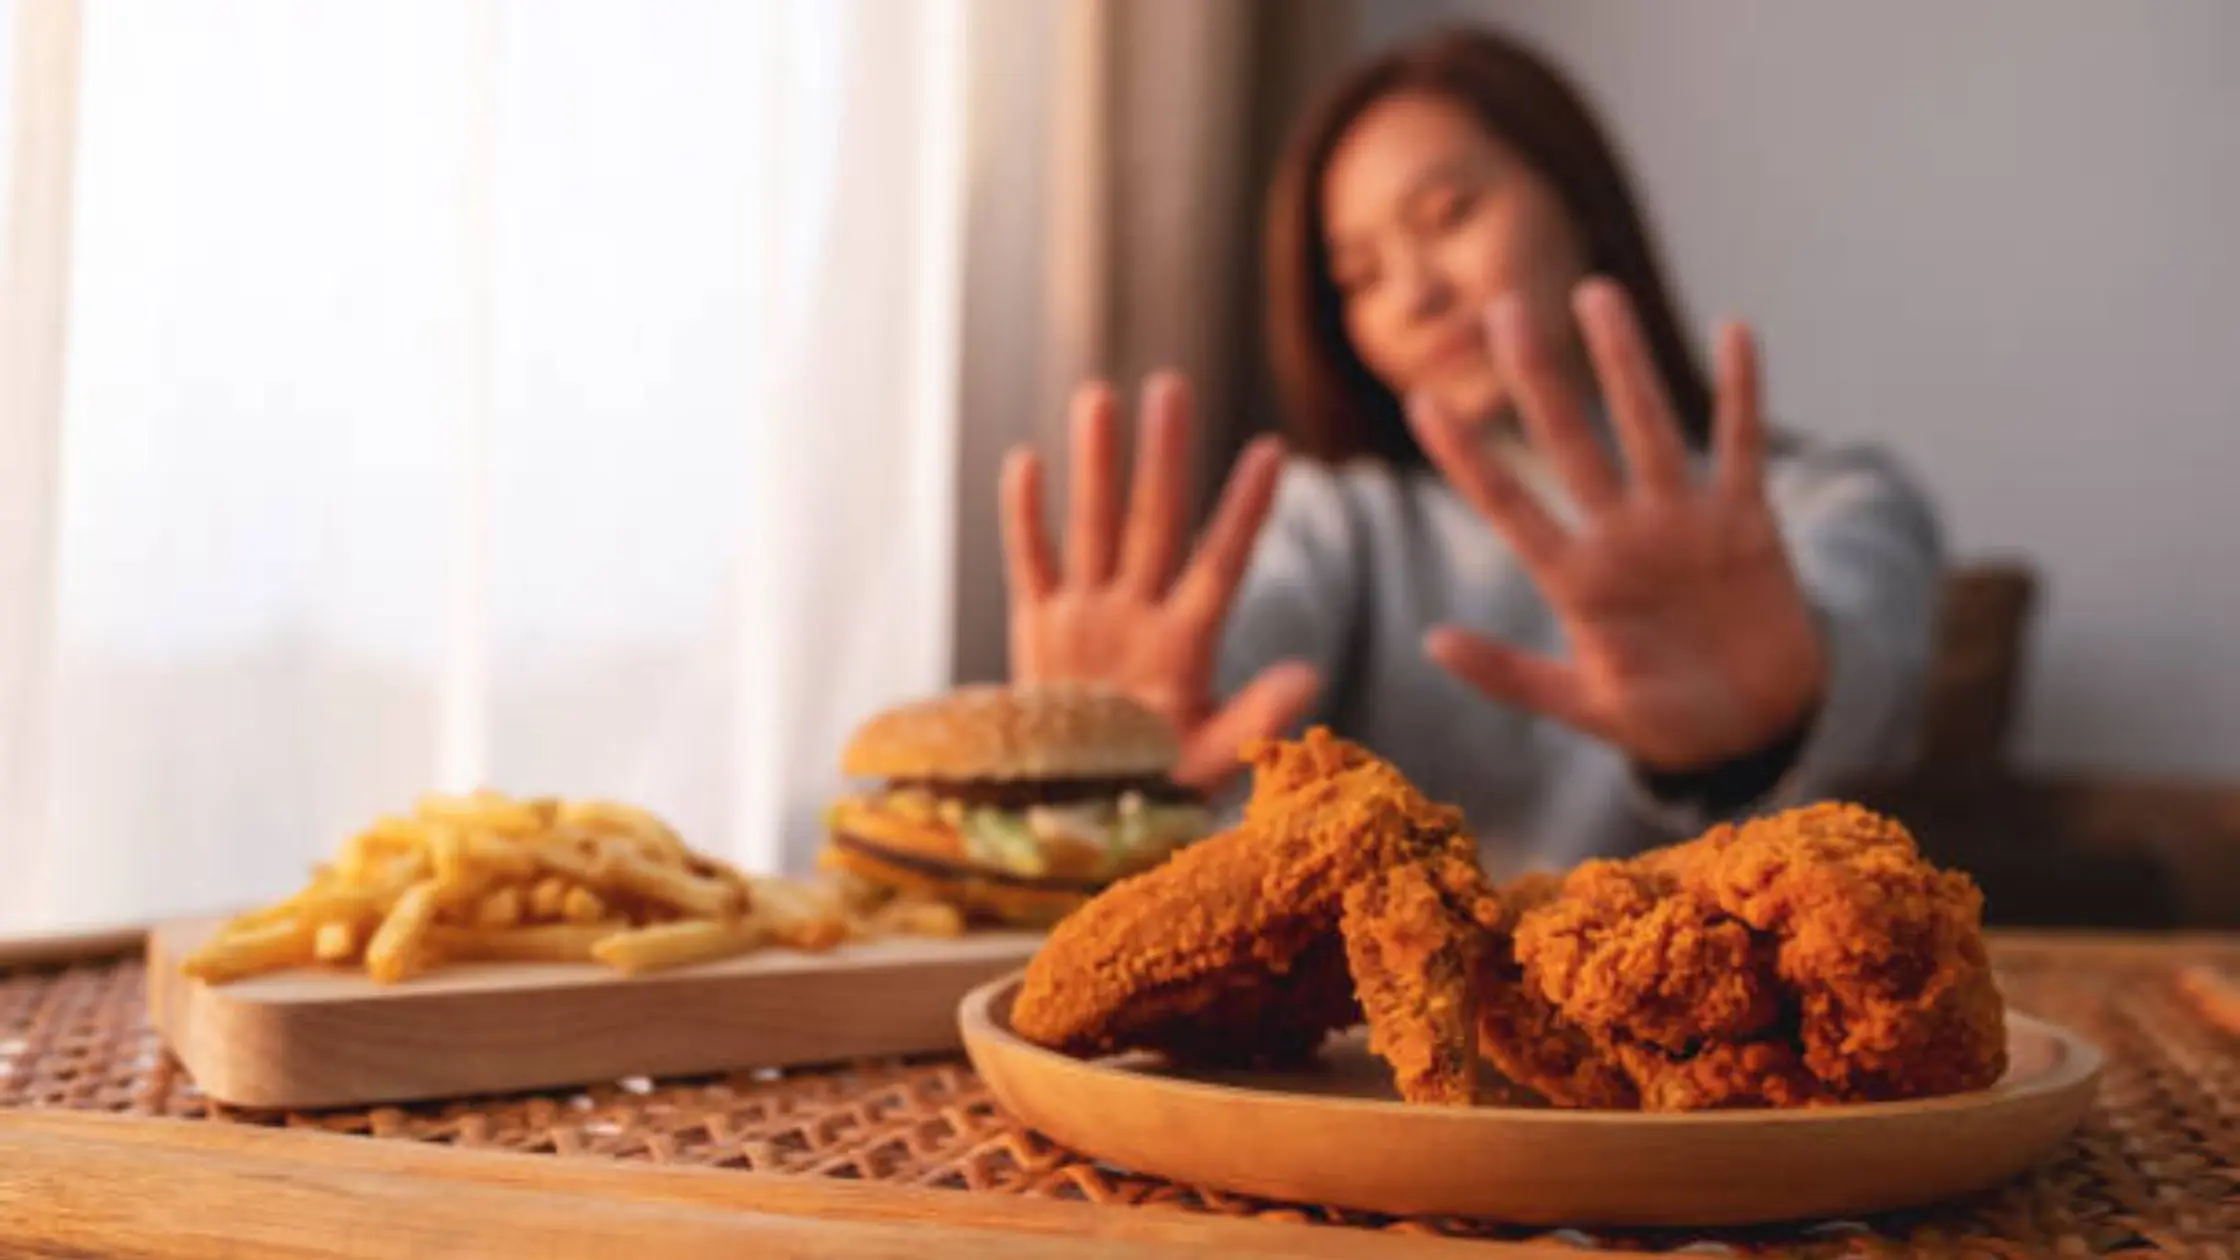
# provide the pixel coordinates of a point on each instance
(488, 877)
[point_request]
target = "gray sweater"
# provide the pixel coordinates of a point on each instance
(1355, 564)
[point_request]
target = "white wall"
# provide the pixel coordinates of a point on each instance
(2001, 237)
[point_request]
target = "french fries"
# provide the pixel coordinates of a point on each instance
(705, 897)
(499, 909)
(335, 941)
(485, 877)
(801, 915)
(546, 942)
(909, 916)
(396, 948)
(582, 905)
(548, 897)
(264, 947)
(674, 944)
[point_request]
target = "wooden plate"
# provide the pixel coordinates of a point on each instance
(321, 1037)
(1335, 1134)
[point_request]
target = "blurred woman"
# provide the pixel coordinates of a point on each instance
(1529, 549)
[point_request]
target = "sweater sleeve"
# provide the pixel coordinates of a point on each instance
(1301, 591)
(1870, 555)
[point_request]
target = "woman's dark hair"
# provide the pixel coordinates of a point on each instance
(1337, 408)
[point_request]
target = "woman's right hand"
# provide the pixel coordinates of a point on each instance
(1127, 610)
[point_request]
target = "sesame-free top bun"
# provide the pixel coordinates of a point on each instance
(985, 731)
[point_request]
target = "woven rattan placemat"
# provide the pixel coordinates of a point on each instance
(2155, 1170)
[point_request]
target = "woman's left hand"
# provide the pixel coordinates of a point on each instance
(1691, 642)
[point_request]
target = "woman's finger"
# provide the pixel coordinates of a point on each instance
(1504, 674)
(1638, 405)
(1093, 504)
(1487, 483)
(1209, 580)
(1026, 541)
(1738, 426)
(1153, 535)
(1266, 708)
(1551, 412)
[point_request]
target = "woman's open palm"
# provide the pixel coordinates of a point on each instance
(1690, 639)
(1126, 609)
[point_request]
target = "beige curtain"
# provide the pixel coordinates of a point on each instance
(1122, 150)
(297, 530)
(34, 290)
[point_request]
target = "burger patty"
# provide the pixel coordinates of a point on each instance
(938, 868)
(1015, 794)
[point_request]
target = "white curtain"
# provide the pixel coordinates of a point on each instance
(557, 395)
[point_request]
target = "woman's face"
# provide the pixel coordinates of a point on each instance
(1429, 219)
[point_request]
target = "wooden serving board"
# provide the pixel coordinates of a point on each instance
(329, 1037)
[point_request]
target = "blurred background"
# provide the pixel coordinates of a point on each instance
(602, 399)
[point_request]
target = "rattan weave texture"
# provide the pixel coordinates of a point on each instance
(2155, 1171)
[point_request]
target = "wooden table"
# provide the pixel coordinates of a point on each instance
(107, 1149)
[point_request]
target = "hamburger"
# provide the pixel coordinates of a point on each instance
(1015, 804)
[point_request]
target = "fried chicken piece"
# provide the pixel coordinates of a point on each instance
(1808, 957)
(1194, 958)
(1413, 954)
(1251, 1018)
(1762, 1073)
(1883, 951)
(1523, 1034)
(1626, 949)
(1224, 951)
